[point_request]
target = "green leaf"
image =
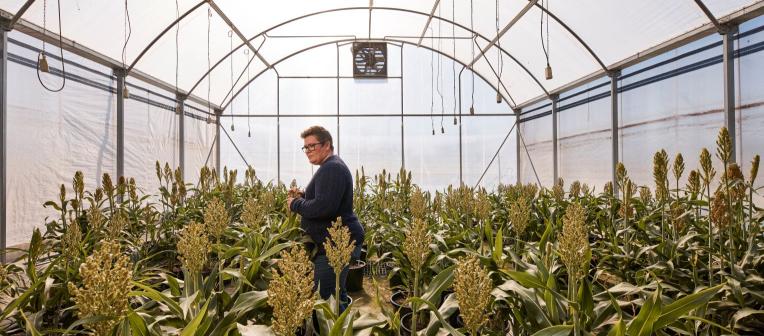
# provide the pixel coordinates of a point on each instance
(527, 280)
(441, 281)
(137, 324)
(29, 326)
(743, 313)
(190, 329)
(673, 311)
(159, 297)
(249, 301)
(498, 247)
(648, 314)
(558, 330)
(434, 309)
(619, 329)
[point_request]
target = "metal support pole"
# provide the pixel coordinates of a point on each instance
(555, 151)
(3, 138)
(278, 128)
(120, 74)
(517, 142)
(614, 126)
(728, 38)
(219, 115)
(403, 153)
(338, 99)
(461, 178)
(180, 101)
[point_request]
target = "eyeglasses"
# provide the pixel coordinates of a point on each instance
(311, 147)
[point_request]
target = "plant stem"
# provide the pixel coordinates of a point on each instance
(414, 306)
(337, 290)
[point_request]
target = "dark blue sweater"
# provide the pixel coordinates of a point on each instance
(328, 195)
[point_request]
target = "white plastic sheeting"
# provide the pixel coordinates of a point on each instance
(50, 136)
(632, 27)
(53, 135)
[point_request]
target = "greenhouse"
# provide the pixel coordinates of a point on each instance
(514, 167)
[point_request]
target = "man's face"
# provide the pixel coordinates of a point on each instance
(317, 152)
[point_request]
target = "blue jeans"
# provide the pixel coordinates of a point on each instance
(323, 277)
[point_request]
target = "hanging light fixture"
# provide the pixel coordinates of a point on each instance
(548, 70)
(125, 92)
(42, 63)
(498, 97)
(472, 110)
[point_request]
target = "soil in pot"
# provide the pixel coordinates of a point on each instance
(422, 321)
(398, 300)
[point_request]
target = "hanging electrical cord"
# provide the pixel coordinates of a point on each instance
(500, 61)
(548, 70)
(474, 41)
(230, 39)
(177, 53)
(128, 33)
(453, 63)
(440, 70)
(209, 65)
(249, 127)
(42, 61)
(432, 86)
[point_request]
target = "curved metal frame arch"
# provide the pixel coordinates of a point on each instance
(274, 64)
(264, 33)
(475, 33)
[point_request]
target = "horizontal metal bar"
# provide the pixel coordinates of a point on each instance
(337, 77)
(356, 115)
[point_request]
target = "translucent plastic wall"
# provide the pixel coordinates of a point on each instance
(673, 101)
(406, 119)
(750, 97)
(51, 135)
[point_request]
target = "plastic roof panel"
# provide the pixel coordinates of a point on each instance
(615, 30)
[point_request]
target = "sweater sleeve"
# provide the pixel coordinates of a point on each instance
(328, 195)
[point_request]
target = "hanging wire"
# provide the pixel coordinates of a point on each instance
(432, 86)
(41, 60)
(500, 61)
(440, 70)
(453, 63)
(541, 30)
(230, 39)
(177, 53)
(128, 32)
(249, 127)
(209, 65)
(474, 38)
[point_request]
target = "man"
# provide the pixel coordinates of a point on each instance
(328, 195)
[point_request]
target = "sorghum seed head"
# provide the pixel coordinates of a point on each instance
(339, 246)
(216, 218)
(558, 190)
(520, 215)
(472, 287)
(418, 204)
(117, 224)
(678, 166)
(723, 145)
(575, 189)
(193, 247)
(290, 293)
(620, 173)
(754, 170)
(627, 209)
(106, 284)
(608, 189)
(693, 182)
(720, 211)
(660, 174)
(78, 184)
(707, 166)
(416, 246)
(736, 179)
(574, 242)
(645, 195)
(70, 242)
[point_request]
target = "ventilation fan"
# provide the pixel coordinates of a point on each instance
(370, 60)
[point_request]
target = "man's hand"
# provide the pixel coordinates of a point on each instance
(289, 202)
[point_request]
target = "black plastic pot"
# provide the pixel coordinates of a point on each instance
(355, 276)
(422, 321)
(398, 300)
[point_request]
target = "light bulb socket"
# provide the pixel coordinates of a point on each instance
(472, 110)
(249, 134)
(442, 131)
(433, 132)
(232, 128)
(548, 72)
(498, 98)
(454, 120)
(125, 92)
(42, 63)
